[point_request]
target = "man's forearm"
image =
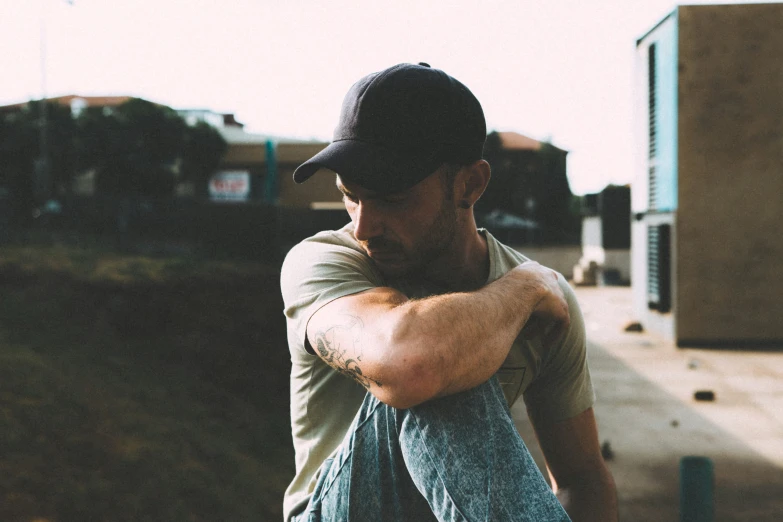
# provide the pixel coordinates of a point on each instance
(465, 336)
(406, 352)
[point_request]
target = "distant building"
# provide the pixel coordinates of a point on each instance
(245, 174)
(706, 243)
(216, 119)
(75, 102)
(529, 181)
(249, 154)
(259, 167)
(606, 237)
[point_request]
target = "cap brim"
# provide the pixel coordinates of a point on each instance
(370, 166)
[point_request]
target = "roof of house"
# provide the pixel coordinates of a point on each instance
(232, 132)
(92, 101)
(235, 135)
(517, 141)
(653, 28)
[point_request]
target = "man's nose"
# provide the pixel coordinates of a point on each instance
(367, 223)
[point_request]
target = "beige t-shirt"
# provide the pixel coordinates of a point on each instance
(555, 382)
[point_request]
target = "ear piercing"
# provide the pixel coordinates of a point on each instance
(464, 204)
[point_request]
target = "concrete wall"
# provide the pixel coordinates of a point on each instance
(318, 189)
(245, 154)
(606, 258)
(728, 241)
(653, 321)
(664, 36)
(592, 234)
(620, 260)
(665, 40)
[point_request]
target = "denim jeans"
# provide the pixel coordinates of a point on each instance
(457, 458)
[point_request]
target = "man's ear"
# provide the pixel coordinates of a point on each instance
(472, 180)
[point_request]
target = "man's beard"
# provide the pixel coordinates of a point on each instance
(429, 247)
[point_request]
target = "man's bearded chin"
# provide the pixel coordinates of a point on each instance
(415, 264)
(430, 247)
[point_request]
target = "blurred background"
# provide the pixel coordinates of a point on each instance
(146, 202)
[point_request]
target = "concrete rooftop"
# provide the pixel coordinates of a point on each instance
(647, 412)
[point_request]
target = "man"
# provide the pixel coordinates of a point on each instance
(411, 332)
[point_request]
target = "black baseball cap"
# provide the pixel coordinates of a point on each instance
(397, 126)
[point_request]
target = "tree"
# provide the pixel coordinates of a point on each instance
(17, 149)
(60, 147)
(134, 148)
(137, 151)
(203, 150)
(20, 148)
(141, 148)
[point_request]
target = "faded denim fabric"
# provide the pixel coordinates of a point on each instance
(457, 458)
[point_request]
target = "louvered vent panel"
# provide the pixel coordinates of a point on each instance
(652, 266)
(652, 188)
(652, 99)
(652, 107)
(659, 267)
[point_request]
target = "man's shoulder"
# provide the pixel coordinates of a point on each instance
(323, 245)
(511, 253)
(503, 257)
(326, 239)
(326, 258)
(508, 257)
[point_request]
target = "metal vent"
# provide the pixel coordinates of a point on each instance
(652, 107)
(652, 104)
(652, 188)
(659, 267)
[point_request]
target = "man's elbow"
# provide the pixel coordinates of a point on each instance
(409, 363)
(415, 381)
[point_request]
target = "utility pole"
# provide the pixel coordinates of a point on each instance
(42, 186)
(42, 181)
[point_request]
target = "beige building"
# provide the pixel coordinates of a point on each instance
(246, 174)
(708, 194)
(273, 182)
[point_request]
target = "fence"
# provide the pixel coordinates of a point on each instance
(250, 230)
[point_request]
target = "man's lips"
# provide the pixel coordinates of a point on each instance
(382, 254)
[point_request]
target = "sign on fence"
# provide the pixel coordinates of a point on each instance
(230, 185)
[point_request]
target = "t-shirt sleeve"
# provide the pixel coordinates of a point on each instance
(563, 387)
(316, 272)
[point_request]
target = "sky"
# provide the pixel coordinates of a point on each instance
(558, 70)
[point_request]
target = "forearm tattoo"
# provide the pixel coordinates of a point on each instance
(341, 347)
